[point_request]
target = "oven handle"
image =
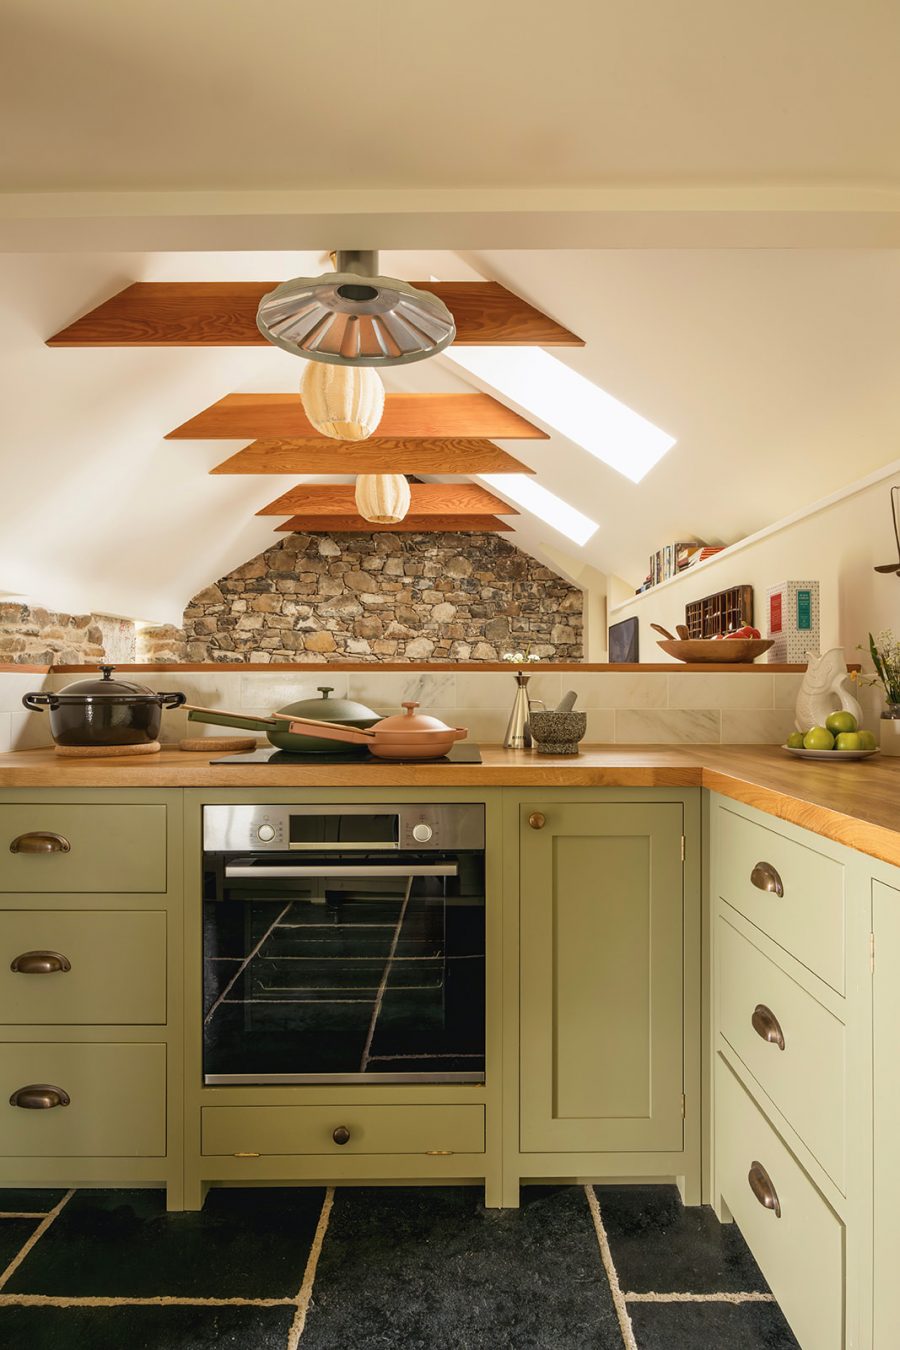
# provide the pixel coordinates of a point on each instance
(327, 871)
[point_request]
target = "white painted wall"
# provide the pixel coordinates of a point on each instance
(837, 546)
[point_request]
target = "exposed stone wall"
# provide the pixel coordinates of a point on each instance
(31, 635)
(378, 597)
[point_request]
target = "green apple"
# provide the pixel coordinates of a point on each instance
(867, 740)
(848, 740)
(818, 738)
(840, 721)
(795, 740)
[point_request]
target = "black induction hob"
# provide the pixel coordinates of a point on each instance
(464, 752)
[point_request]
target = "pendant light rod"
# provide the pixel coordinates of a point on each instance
(361, 261)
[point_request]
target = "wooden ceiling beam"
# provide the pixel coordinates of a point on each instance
(223, 314)
(321, 454)
(410, 524)
(247, 417)
(427, 499)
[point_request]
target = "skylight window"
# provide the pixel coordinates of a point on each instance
(524, 491)
(572, 404)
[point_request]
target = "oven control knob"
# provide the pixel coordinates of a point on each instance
(266, 833)
(422, 833)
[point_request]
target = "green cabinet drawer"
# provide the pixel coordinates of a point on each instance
(113, 967)
(807, 1078)
(265, 1130)
(117, 1100)
(800, 1246)
(93, 847)
(807, 918)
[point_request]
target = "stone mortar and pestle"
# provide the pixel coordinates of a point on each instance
(557, 731)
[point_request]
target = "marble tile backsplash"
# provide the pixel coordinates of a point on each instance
(630, 708)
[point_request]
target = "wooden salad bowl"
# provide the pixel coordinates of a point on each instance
(723, 651)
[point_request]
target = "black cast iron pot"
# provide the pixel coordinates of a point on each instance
(104, 711)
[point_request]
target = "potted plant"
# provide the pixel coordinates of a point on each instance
(885, 654)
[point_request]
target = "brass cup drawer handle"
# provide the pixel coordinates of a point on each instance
(39, 1097)
(537, 820)
(341, 1135)
(761, 1185)
(765, 878)
(40, 963)
(767, 1026)
(40, 841)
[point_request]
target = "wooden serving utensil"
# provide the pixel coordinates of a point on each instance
(658, 628)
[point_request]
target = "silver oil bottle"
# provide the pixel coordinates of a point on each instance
(518, 730)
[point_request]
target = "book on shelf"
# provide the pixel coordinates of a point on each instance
(668, 561)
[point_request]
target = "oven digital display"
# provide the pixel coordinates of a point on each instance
(356, 829)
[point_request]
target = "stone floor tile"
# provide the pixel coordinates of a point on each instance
(244, 1243)
(660, 1246)
(431, 1269)
(710, 1326)
(31, 1201)
(133, 1328)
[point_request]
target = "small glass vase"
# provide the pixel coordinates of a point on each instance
(890, 730)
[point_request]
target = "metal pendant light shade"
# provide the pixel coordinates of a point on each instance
(382, 498)
(342, 401)
(353, 317)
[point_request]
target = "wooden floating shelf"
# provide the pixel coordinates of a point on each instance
(322, 454)
(409, 525)
(245, 417)
(426, 499)
(223, 314)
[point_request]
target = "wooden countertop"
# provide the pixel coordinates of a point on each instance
(856, 804)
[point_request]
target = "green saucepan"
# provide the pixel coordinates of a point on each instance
(324, 709)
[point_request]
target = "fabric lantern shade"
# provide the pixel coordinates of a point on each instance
(345, 402)
(382, 498)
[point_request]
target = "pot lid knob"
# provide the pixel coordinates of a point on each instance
(325, 689)
(107, 671)
(410, 708)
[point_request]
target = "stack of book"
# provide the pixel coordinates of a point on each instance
(669, 561)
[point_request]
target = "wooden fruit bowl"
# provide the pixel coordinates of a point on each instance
(723, 651)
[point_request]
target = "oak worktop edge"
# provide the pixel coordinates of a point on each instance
(854, 804)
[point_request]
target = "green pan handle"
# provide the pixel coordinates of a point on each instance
(246, 722)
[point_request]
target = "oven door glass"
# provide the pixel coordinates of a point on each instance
(344, 969)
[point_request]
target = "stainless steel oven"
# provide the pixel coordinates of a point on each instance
(343, 944)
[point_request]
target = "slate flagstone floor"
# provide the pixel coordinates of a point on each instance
(576, 1268)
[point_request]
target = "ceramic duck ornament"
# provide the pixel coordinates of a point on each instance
(824, 690)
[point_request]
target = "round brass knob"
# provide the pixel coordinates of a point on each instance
(537, 820)
(341, 1135)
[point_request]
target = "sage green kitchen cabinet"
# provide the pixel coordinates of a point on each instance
(601, 977)
(886, 1064)
(793, 996)
(91, 979)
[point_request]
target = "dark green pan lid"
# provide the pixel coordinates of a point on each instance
(328, 709)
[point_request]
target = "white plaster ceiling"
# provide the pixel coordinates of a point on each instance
(197, 94)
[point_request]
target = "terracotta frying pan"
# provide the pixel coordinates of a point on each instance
(404, 736)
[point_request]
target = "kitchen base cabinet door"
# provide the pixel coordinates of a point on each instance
(82, 1100)
(601, 931)
(886, 1065)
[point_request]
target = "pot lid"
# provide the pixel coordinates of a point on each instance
(327, 709)
(412, 721)
(105, 687)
